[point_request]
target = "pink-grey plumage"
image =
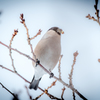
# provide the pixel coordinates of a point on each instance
(47, 51)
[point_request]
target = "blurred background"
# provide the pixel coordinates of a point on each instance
(81, 34)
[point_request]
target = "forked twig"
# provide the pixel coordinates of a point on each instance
(39, 32)
(28, 37)
(96, 13)
(46, 92)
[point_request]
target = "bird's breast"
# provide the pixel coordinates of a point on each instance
(48, 52)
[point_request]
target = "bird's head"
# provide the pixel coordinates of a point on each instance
(58, 30)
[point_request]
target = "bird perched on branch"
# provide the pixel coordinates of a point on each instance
(47, 51)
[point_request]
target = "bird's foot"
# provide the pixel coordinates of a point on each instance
(37, 62)
(51, 75)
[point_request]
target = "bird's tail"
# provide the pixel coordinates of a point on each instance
(34, 84)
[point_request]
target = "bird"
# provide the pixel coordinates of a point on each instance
(47, 53)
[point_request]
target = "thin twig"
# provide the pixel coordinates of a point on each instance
(28, 93)
(62, 93)
(13, 35)
(53, 84)
(71, 73)
(39, 32)
(25, 56)
(97, 10)
(16, 98)
(91, 17)
(73, 96)
(73, 89)
(38, 96)
(49, 95)
(44, 91)
(28, 37)
(96, 13)
(59, 68)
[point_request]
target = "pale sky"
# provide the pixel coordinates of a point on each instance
(81, 34)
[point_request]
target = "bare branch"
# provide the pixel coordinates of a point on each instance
(96, 8)
(51, 96)
(71, 73)
(73, 89)
(28, 93)
(39, 32)
(28, 37)
(89, 16)
(96, 13)
(53, 84)
(62, 93)
(15, 96)
(13, 35)
(74, 96)
(44, 91)
(96, 2)
(38, 96)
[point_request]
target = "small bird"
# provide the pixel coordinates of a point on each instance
(47, 52)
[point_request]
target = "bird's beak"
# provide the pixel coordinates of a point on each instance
(62, 32)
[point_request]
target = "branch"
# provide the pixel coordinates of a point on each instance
(44, 91)
(53, 84)
(96, 13)
(28, 37)
(13, 35)
(28, 93)
(62, 93)
(71, 73)
(39, 32)
(91, 17)
(15, 96)
(74, 96)
(73, 89)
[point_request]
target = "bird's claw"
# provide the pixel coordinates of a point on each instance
(37, 62)
(51, 75)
